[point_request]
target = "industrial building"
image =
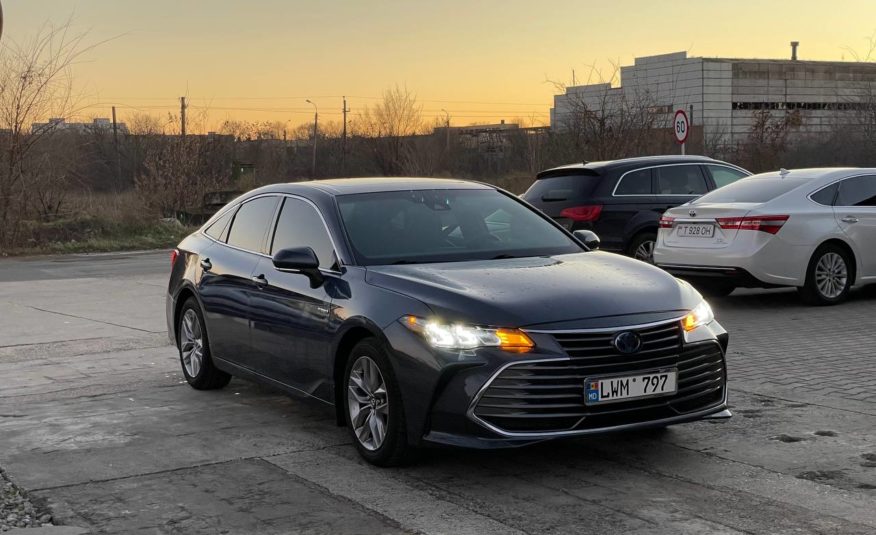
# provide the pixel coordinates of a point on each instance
(728, 96)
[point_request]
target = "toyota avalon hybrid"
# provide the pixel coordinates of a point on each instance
(438, 311)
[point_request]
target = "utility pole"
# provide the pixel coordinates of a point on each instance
(573, 78)
(315, 132)
(446, 130)
(345, 109)
(118, 154)
(182, 116)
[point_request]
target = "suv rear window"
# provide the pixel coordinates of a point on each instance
(751, 190)
(560, 188)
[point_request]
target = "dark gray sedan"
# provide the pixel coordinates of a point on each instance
(430, 311)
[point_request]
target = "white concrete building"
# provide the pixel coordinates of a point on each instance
(727, 94)
(99, 124)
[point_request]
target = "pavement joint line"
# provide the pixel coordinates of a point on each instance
(59, 342)
(529, 481)
(360, 506)
(403, 481)
(730, 490)
(853, 411)
(189, 467)
(87, 319)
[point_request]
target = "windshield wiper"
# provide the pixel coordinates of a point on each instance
(401, 262)
(503, 256)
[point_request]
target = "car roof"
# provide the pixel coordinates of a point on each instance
(349, 186)
(624, 163)
(813, 173)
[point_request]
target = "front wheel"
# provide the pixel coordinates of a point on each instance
(828, 277)
(374, 411)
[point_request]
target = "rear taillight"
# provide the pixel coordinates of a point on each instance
(666, 221)
(582, 213)
(173, 256)
(765, 223)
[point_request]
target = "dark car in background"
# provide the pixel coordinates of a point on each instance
(438, 311)
(622, 200)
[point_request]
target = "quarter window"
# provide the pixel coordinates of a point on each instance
(300, 225)
(723, 175)
(826, 195)
(219, 229)
(251, 223)
(680, 180)
(857, 191)
(635, 183)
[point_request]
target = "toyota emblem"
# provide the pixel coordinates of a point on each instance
(692, 213)
(627, 342)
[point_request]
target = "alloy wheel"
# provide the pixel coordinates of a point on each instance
(368, 403)
(645, 251)
(192, 343)
(831, 275)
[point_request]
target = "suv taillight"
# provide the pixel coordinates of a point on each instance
(765, 223)
(582, 213)
(173, 256)
(666, 221)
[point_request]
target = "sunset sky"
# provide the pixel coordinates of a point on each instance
(480, 60)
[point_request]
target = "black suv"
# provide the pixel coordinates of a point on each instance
(622, 200)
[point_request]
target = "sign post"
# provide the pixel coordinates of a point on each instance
(681, 127)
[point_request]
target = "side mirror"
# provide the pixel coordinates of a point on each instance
(300, 259)
(588, 237)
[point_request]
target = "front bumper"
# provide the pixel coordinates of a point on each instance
(513, 400)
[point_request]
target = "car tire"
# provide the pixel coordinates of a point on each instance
(373, 406)
(194, 350)
(714, 288)
(642, 247)
(828, 276)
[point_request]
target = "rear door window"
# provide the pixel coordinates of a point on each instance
(251, 223)
(560, 188)
(723, 175)
(857, 191)
(680, 180)
(635, 183)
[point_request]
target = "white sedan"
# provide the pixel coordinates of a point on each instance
(810, 228)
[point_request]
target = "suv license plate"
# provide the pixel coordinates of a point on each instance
(611, 389)
(696, 231)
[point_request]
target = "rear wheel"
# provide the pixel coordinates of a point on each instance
(828, 277)
(194, 350)
(642, 247)
(374, 411)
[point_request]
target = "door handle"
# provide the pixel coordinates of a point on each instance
(206, 265)
(260, 280)
(850, 219)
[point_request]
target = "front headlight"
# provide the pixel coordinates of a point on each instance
(701, 315)
(460, 336)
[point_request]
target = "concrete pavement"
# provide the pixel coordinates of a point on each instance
(96, 421)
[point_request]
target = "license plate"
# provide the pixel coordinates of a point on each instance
(611, 389)
(696, 231)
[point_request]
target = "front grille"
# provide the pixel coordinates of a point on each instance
(549, 396)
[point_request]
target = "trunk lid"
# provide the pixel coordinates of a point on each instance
(696, 226)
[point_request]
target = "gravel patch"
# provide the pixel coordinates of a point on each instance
(16, 510)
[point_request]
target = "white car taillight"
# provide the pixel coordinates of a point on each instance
(770, 224)
(666, 221)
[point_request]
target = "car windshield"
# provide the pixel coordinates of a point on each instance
(401, 227)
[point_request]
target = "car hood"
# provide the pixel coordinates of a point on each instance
(594, 289)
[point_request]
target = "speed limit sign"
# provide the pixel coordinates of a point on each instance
(681, 126)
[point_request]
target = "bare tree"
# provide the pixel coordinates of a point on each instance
(392, 122)
(35, 83)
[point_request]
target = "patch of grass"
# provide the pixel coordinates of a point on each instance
(91, 235)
